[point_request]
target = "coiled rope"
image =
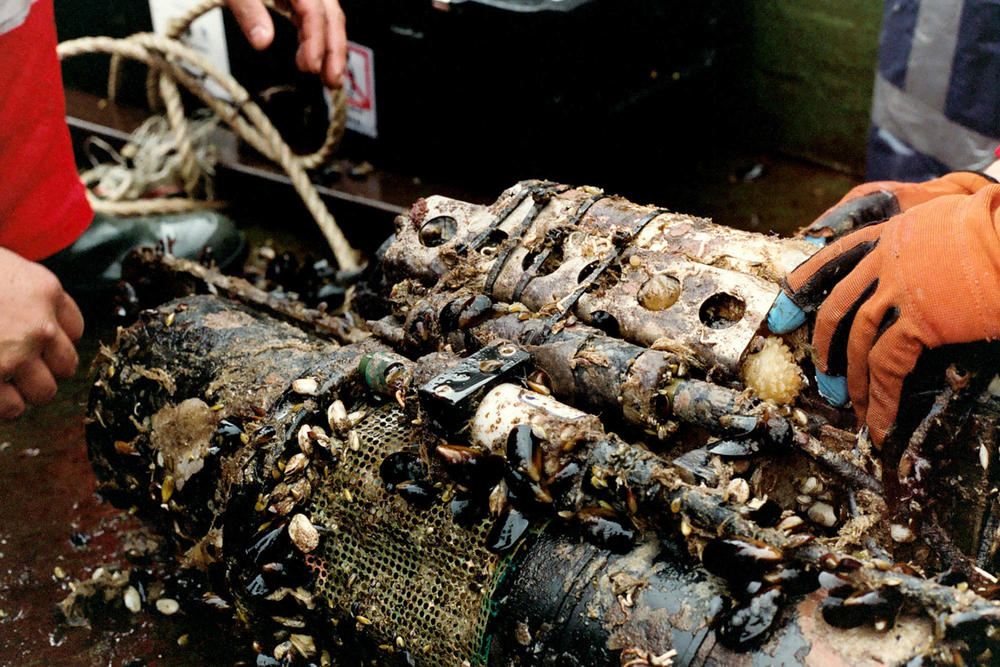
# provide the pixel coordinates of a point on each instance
(171, 63)
(150, 164)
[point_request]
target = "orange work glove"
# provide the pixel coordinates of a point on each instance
(929, 276)
(880, 200)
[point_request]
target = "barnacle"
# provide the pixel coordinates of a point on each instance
(772, 373)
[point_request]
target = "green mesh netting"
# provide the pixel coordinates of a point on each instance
(419, 581)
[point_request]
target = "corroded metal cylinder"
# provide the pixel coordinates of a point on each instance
(664, 279)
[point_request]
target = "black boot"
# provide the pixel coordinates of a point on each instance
(93, 263)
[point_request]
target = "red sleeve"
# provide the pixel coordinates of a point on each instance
(43, 204)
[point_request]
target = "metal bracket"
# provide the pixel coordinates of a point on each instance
(451, 397)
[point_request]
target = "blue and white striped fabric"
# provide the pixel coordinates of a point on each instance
(936, 104)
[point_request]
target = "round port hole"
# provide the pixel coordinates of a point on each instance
(721, 311)
(438, 231)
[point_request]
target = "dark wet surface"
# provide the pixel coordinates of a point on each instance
(50, 516)
(54, 529)
(47, 496)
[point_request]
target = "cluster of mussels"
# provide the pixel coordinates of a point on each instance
(280, 584)
(276, 584)
(512, 488)
(311, 281)
(760, 577)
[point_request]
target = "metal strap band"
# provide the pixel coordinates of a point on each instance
(541, 201)
(505, 213)
(613, 256)
(532, 270)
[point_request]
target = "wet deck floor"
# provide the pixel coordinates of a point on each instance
(51, 518)
(55, 529)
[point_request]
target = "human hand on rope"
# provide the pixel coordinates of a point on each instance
(888, 292)
(40, 325)
(322, 34)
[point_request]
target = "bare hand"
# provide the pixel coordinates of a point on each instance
(322, 34)
(39, 327)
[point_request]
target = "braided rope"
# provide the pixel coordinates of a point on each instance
(150, 161)
(169, 61)
(139, 206)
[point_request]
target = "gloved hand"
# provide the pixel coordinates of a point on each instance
(322, 34)
(929, 276)
(880, 200)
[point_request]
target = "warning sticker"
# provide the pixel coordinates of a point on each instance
(359, 84)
